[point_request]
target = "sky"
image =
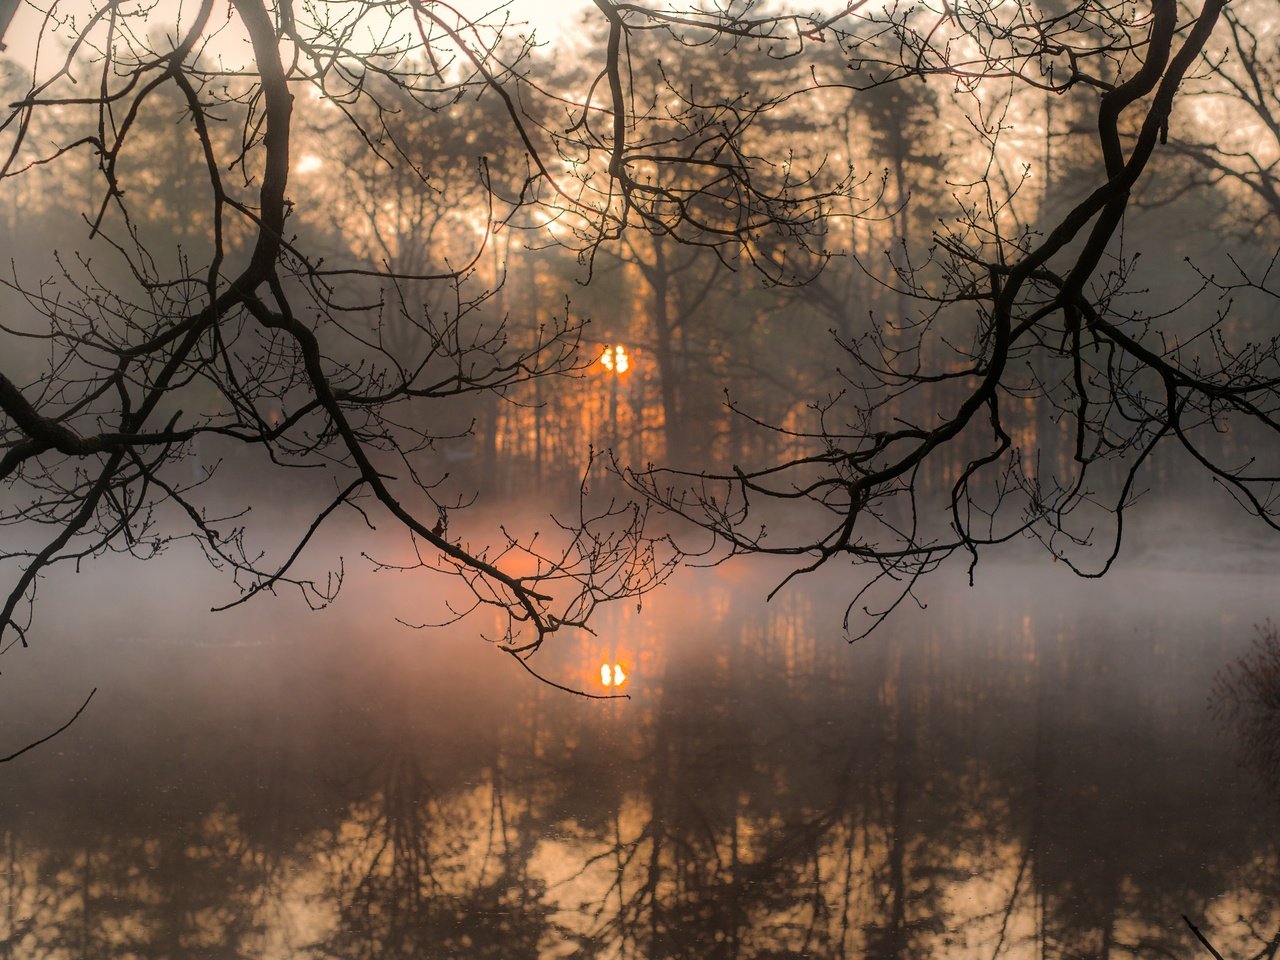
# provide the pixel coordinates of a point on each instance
(546, 17)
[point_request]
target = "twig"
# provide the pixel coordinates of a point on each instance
(46, 739)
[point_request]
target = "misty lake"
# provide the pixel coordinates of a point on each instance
(1033, 767)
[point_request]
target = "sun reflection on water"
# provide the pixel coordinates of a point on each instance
(612, 675)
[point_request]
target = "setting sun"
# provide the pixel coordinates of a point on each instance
(615, 358)
(308, 163)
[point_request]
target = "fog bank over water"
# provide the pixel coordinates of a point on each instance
(87, 621)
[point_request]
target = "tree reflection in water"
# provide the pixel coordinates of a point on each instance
(414, 872)
(1247, 695)
(1005, 784)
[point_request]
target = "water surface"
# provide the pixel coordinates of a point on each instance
(1029, 768)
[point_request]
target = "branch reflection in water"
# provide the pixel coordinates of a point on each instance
(1009, 775)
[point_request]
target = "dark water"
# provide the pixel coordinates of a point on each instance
(1031, 768)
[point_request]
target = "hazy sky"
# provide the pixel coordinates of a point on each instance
(546, 17)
